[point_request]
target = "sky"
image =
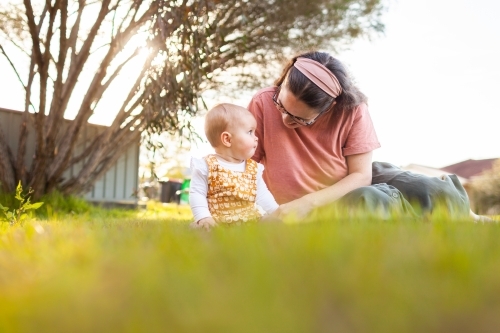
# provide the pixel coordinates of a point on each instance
(432, 81)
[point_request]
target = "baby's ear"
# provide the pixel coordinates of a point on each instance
(225, 138)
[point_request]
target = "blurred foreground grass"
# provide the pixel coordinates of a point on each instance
(147, 271)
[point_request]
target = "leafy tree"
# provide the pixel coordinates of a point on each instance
(184, 48)
(486, 190)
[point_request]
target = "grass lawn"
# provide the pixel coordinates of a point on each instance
(147, 271)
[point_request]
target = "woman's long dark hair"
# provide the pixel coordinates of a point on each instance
(306, 91)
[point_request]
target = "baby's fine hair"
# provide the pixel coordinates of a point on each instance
(218, 119)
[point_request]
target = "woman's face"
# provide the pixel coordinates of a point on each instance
(294, 112)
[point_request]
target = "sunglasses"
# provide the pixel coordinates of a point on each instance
(298, 120)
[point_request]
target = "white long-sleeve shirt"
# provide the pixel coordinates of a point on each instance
(198, 188)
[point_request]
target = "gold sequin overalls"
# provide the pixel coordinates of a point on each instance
(231, 194)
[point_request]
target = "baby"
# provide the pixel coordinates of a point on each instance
(227, 187)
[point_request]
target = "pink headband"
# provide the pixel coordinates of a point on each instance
(319, 75)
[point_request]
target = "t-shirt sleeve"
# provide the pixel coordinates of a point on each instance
(256, 107)
(362, 137)
(264, 197)
(198, 189)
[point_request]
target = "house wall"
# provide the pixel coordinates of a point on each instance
(120, 183)
(10, 121)
(117, 185)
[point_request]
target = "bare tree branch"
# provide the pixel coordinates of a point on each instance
(33, 32)
(13, 67)
(120, 40)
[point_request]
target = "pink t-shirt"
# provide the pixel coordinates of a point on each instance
(308, 158)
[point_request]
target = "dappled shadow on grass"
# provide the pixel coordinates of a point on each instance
(328, 272)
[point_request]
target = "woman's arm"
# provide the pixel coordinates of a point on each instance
(359, 174)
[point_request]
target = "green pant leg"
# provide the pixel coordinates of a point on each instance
(423, 192)
(381, 199)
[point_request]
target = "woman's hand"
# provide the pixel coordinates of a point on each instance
(298, 208)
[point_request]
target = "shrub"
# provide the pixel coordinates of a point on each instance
(19, 214)
(486, 190)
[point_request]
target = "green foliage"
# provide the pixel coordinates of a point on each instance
(18, 215)
(57, 204)
(149, 272)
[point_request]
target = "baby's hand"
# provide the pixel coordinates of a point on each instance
(206, 223)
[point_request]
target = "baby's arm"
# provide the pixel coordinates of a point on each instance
(198, 195)
(264, 197)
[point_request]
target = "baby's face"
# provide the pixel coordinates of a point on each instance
(243, 139)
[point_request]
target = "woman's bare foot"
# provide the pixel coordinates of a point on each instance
(480, 218)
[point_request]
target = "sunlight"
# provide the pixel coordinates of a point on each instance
(109, 105)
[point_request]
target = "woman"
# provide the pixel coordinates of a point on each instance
(316, 140)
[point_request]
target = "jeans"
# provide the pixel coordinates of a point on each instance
(397, 190)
